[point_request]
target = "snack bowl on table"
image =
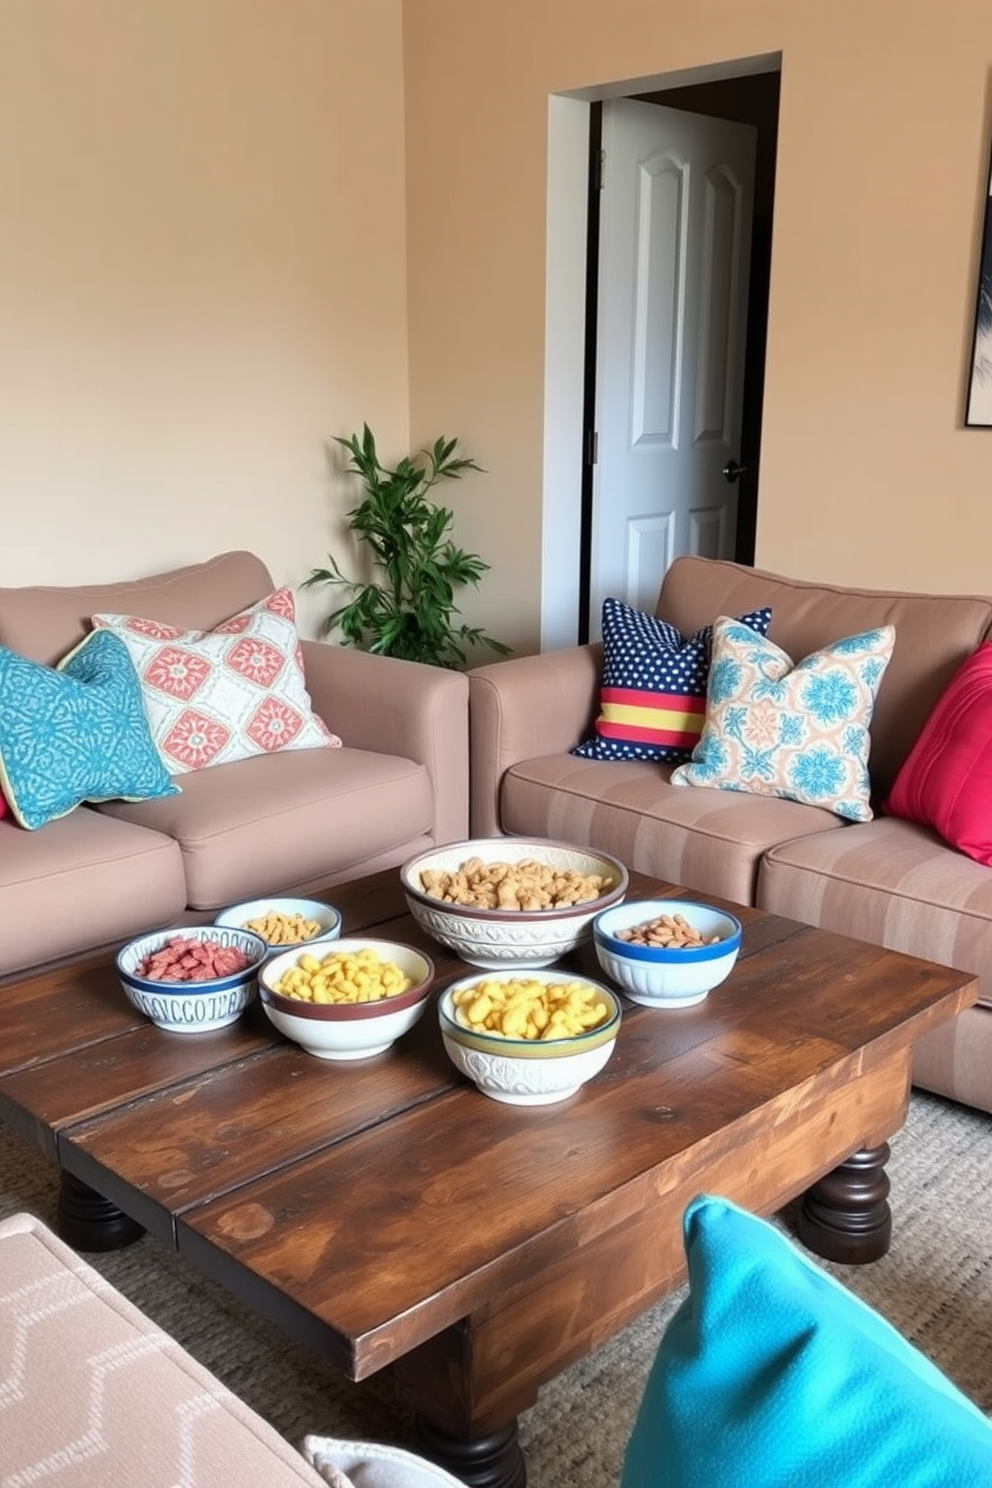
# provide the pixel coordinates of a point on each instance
(510, 938)
(252, 914)
(522, 1071)
(189, 1005)
(666, 976)
(347, 1029)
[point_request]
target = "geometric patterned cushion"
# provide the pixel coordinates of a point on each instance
(653, 693)
(772, 1373)
(946, 779)
(776, 728)
(76, 732)
(225, 694)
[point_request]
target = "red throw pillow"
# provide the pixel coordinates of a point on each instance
(946, 780)
(3, 804)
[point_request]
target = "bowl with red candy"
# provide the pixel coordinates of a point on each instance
(194, 978)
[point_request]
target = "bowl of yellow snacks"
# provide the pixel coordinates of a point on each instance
(528, 1038)
(511, 902)
(667, 952)
(284, 923)
(347, 1000)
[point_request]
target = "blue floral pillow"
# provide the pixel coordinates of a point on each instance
(76, 732)
(773, 1375)
(652, 699)
(777, 728)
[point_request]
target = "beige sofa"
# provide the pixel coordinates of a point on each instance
(887, 881)
(292, 821)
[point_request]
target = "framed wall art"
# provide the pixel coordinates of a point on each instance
(978, 413)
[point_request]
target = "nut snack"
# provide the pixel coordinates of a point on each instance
(528, 885)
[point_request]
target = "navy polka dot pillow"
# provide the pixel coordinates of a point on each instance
(652, 700)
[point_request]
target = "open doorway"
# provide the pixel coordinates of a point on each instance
(633, 474)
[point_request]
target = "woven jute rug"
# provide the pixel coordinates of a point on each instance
(935, 1285)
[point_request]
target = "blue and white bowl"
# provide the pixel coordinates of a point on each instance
(655, 976)
(325, 915)
(192, 1007)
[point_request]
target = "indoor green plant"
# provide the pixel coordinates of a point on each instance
(408, 609)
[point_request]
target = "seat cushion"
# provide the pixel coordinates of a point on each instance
(97, 1395)
(704, 839)
(287, 820)
(83, 881)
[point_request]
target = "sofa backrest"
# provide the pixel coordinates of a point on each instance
(44, 621)
(934, 635)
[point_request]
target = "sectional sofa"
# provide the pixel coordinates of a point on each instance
(888, 880)
(291, 820)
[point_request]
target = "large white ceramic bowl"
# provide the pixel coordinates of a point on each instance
(658, 977)
(510, 939)
(521, 1072)
(191, 1006)
(348, 1030)
(316, 910)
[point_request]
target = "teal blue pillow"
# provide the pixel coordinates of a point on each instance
(773, 1375)
(75, 732)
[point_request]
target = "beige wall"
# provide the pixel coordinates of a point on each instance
(202, 276)
(868, 475)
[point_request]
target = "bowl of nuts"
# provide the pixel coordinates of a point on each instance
(530, 1039)
(667, 952)
(512, 903)
(192, 979)
(347, 1000)
(284, 923)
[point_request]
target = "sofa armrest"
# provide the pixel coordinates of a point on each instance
(524, 708)
(398, 707)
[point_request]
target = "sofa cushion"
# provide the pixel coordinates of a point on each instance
(934, 635)
(946, 780)
(799, 731)
(707, 840)
(216, 696)
(652, 697)
(291, 820)
(890, 882)
(76, 732)
(773, 1373)
(43, 620)
(97, 1395)
(85, 881)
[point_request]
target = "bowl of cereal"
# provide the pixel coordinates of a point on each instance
(348, 1000)
(530, 1039)
(194, 978)
(284, 923)
(517, 903)
(667, 952)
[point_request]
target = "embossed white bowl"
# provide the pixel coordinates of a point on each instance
(509, 939)
(523, 1072)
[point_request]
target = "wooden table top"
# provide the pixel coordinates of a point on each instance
(371, 1205)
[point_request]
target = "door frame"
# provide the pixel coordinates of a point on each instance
(563, 538)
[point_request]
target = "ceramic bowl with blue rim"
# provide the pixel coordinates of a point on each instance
(661, 972)
(275, 917)
(210, 991)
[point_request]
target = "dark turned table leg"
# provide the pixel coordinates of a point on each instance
(88, 1221)
(846, 1216)
(493, 1461)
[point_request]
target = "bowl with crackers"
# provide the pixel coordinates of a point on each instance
(667, 952)
(511, 903)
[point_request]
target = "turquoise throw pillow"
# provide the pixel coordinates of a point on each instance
(773, 1375)
(76, 732)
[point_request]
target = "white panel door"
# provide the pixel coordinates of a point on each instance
(675, 242)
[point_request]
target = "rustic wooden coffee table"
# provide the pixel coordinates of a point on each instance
(387, 1214)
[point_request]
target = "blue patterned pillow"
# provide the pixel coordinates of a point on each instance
(775, 727)
(653, 695)
(76, 732)
(771, 1374)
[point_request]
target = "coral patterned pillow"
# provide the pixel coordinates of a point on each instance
(946, 779)
(800, 731)
(221, 695)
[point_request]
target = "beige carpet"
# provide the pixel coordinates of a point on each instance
(935, 1285)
